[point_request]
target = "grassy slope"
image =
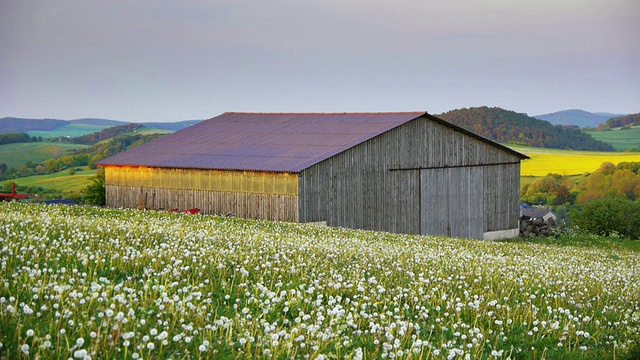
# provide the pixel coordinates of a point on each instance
(567, 162)
(71, 130)
(620, 139)
(15, 155)
(62, 181)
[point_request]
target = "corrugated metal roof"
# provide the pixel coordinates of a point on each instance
(282, 142)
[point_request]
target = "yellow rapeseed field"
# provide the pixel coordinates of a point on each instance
(567, 162)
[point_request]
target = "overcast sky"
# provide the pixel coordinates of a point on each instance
(161, 60)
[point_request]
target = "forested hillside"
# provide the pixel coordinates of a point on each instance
(620, 121)
(507, 126)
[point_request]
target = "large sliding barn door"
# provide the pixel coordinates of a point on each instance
(452, 202)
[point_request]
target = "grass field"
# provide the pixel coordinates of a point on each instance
(72, 130)
(18, 154)
(147, 131)
(567, 162)
(620, 139)
(61, 181)
(111, 284)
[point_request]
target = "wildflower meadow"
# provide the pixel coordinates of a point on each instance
(93, 283)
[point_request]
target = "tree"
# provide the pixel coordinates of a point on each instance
(623, 182)
(607, 168)
(95, 194)
(597, 185)
(543, 190)
(53, 166)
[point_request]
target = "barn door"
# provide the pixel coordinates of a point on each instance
(452, 202)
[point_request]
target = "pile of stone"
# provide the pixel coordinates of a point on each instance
(530, 227)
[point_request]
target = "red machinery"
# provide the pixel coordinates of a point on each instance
(13, 195)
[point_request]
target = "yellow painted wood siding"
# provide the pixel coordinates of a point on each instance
(253, 182)
(277, 207)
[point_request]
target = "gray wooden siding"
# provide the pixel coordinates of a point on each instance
(501, 197)
(452, 202)
(376, 185)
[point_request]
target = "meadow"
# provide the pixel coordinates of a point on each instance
(567, 162)
(619, 138)
(86, 283)
(18, 154)
(62, 181)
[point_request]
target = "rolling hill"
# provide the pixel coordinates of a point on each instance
(576, 117)
(507, 126)
(78, 127)
(15, 155)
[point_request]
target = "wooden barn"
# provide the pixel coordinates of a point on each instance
(405, 172)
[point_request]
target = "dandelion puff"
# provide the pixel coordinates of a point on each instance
(80, 354)
(25, 349)
(30, 332)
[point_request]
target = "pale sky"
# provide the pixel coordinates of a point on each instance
(161, 60)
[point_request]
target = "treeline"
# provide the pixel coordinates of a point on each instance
(12, 138)
(621, 121)
(506, 126)
(77, 158)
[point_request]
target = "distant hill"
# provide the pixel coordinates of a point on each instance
(507, 126)
(16, 125)
(576, 117)
(77, 127)
(173, 126)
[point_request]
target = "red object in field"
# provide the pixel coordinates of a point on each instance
(192, 211)
(13, 195)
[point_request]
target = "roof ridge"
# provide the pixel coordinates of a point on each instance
(324, 113)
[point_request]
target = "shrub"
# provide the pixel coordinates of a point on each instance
(95, 193)
(610, 216)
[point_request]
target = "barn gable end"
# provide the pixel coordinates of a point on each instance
(394, 182)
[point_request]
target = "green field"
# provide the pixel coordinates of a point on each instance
(61, 181)
(147, 131)
(567, 162)
(121, 284)
(18, 154)
(620, 139)
(70, 130)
